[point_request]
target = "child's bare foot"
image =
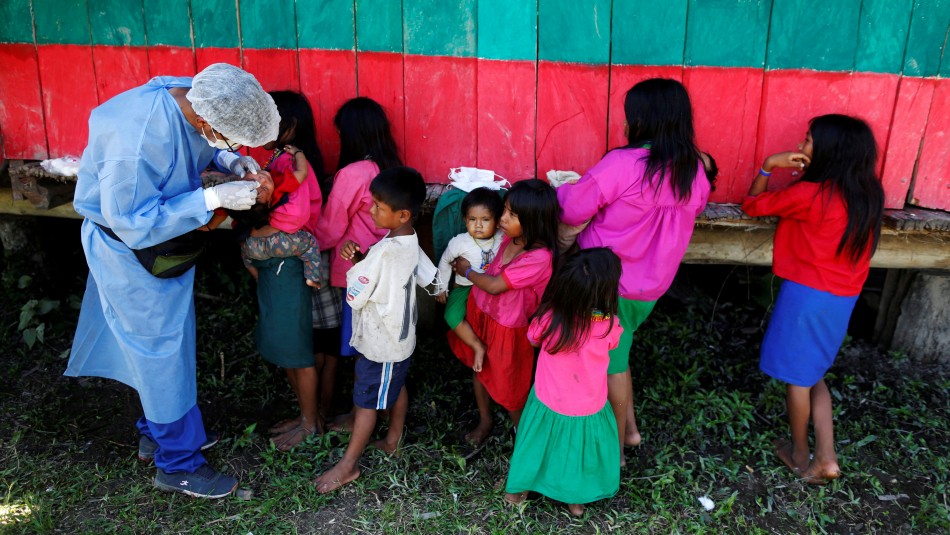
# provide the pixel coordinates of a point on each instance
(342, 423)
(515, 498)
(283, 426)
(784, 450)
(478, 435)
(632, 437)
(819, 473)
(287, 441)
(389, 448)
(479, 350)
(335, 478)
(576, 509)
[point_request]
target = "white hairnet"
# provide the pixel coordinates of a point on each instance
(234, 103)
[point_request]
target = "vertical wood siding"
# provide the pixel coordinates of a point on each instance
(518, 86)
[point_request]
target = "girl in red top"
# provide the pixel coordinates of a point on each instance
(504, 297)
(829, 226)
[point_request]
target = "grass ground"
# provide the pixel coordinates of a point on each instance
(67, 446)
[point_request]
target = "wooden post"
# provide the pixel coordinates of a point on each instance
(923, 329)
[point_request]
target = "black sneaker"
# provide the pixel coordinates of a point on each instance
(148, 446)
(206, 482)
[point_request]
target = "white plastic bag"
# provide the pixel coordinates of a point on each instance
(469, 178)
(65, 166)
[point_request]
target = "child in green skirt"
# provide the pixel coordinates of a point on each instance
(567, 444)
(481, 210)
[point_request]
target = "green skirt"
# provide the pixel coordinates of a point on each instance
(455, 305)
(631, 314)
(571, 459)
(284, 332)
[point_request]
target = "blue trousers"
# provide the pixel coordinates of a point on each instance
(179, 442)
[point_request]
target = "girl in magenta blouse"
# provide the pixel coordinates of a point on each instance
(641, 201)
(504, 297)
(567, 445)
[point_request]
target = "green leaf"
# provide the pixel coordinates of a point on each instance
(46, 305)
(40, 332)
(24, 281)
(27, 312)
(29, 336)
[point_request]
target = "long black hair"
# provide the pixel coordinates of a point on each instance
(296, 113)
(659, 113)
(843, 157)
(535, 204)
(365, 133)
(586, 281)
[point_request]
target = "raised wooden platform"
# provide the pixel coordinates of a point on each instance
(912, 239)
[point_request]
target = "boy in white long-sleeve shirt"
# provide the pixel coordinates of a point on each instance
(380, 288)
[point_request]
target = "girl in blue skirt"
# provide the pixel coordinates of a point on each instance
(829, 226)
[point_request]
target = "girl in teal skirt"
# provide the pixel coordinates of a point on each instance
(567, 444)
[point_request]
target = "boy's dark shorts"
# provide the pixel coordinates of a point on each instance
(378, 383)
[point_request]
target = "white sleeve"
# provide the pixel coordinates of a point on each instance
(363, 278)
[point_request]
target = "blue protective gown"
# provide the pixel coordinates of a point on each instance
(139, 176)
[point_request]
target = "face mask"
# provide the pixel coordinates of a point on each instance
(469, 178)
(219, 143)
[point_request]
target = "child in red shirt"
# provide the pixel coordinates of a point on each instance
(829, 226)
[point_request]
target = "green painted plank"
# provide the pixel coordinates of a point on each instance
(325, 24)
(508, 29)
(378, 26)
(802, 35)
(117, 22)
(647, 32)
(882, 35)
(928, 35)
(743, 45)
(439, 27)
(16, 22)
(577, 32)
(215, 23)
(61, 22)
(168, 23)
(268, 24)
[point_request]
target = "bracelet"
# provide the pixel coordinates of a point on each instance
(764, 173)
(467, 271)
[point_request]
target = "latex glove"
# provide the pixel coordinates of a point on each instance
(236, 195)
(244, 165)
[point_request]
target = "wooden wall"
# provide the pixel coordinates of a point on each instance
(518, 86)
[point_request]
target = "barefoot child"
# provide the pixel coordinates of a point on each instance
(481, 210)
(504, 297)
(829, 226)
(366, 148)
(380, 289)
(567, 447)
(642, 201)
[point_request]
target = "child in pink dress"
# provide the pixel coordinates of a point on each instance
(504, 297)
(567, 445)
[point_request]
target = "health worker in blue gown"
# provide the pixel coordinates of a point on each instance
(140, 191)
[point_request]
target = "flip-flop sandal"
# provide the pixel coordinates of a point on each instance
(281, 427)
(293, 433)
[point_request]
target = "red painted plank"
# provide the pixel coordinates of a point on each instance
(379, 76)
(207, 56)
(119, 68)
(69, 95)
(872, 99)
(726, 104)
(790, 99)
(914, 96)
(441, 129)
(21, 104)
(328, 79)
(171, 61)
(932, 185)
(572, 116)
(275, 69)
(622, 78)
(506, 117)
